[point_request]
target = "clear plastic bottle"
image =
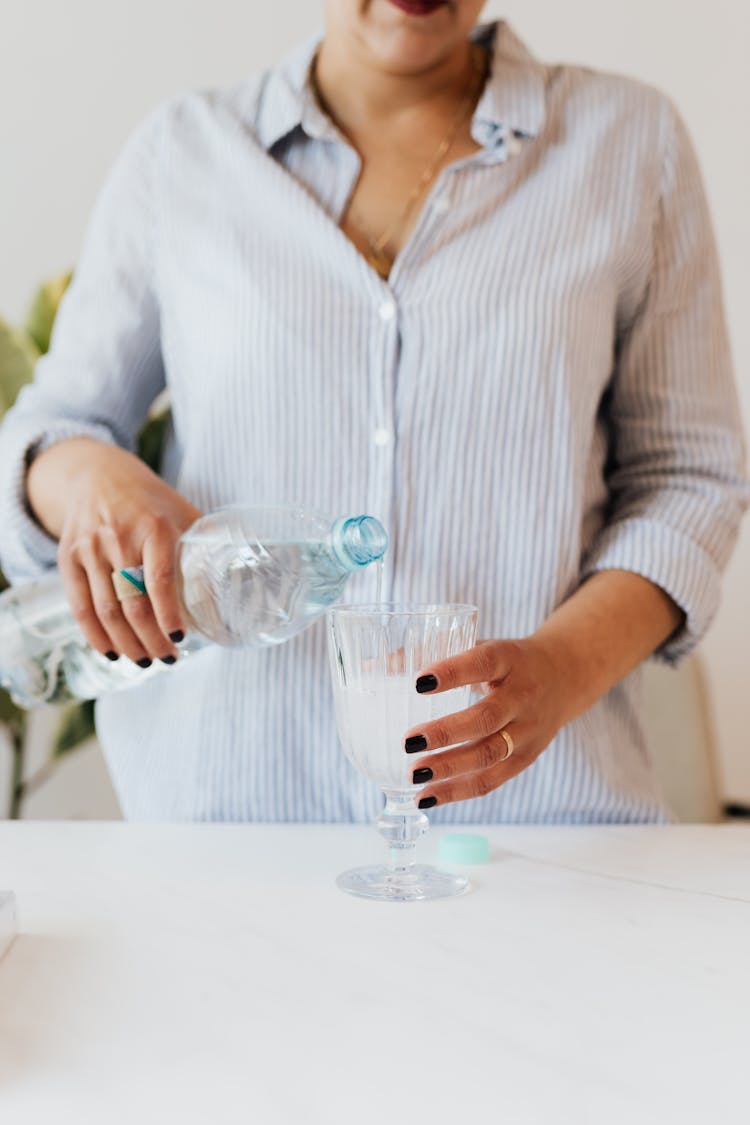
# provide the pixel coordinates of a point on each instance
(249, 577)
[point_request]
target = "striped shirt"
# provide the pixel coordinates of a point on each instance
(542, 389)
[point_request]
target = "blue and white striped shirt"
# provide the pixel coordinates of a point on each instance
(542, 389)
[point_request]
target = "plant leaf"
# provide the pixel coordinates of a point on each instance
(18, 356)
(151, 439)
(76, 726)
(10, 712)
(43, 310)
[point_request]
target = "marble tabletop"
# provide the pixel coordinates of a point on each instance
(214, 973)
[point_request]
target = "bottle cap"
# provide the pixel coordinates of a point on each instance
(358, 541)
(463, 848)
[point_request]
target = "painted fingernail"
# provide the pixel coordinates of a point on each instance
(427, 803)
(416, 743)
(168, 659)
(144, 662)
(426, 683)
(111, 655)
(177, 636)
(420, 776)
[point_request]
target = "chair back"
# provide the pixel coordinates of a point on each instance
(681, 739)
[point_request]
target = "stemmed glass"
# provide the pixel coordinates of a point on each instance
(376, 653)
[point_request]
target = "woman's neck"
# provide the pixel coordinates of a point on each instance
(359, 95)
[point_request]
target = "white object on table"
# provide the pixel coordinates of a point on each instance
(193, 973)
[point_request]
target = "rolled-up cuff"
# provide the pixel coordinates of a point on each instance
(672, 561)
(27, 547)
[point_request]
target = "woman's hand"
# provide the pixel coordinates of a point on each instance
(525, 696)
(109, 510)
(613, 621)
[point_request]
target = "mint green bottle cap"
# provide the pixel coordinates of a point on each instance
(463, 847)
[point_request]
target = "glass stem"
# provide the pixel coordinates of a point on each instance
(401, 824)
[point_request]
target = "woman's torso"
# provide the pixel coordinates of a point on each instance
(459, 403)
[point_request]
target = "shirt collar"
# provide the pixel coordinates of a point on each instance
(515, 92)
(513, 96)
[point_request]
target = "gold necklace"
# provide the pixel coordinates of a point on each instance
(379, 259)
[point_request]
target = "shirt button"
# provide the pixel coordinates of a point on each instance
(441, 206)
(382, 437)
(387, 310)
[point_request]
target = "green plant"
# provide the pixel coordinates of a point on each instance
(20, 348)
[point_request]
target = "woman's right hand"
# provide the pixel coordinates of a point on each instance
(109, 510)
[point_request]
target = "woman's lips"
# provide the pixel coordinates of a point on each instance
(418, 7)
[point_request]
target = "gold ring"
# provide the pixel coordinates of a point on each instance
(508, 743)
(128, 582)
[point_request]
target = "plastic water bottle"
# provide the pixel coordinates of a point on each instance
(249, 577)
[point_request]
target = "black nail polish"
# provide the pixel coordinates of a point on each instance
(111, 655)
(420, 776)
(177, 636)
(168, 659)
(427, 803)
(144, 662)
(416, 743)
(426, 683)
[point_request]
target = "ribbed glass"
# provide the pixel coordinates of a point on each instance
(376, 654)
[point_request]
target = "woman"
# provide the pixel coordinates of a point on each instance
(413, 271)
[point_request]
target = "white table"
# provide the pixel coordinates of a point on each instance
(214, 973)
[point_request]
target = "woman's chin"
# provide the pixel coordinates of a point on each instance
(408, 37)
(402, 49)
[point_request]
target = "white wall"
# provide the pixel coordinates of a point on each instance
(77, 76)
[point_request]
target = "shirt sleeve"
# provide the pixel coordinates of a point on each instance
(104, 366)
(675, 475)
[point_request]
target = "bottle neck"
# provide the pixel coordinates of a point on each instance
(358, 541)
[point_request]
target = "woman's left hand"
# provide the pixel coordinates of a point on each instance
(525, 695)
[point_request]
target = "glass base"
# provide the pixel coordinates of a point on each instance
(407, 885)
